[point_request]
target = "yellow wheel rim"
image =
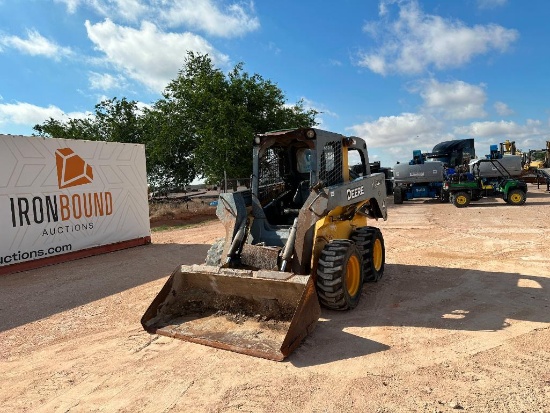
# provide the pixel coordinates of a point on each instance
(461, 199)
(353, 275)
(377, 254)
(515, 198)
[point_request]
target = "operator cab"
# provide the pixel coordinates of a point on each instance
(284, 183)
(288, 164)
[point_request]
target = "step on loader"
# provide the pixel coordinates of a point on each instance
(297, 239)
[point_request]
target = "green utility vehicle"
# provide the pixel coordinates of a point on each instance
(480, 182)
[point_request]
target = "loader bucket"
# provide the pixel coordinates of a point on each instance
(260, 313)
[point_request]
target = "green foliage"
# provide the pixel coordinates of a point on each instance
(226, 111)
(114, 121)
(169, 146)
(118, 121)
(202, 126)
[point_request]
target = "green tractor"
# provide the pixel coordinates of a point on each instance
(487, 178)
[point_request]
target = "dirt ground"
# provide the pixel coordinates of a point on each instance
(460, 321)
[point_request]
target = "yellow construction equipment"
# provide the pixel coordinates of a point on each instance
(539, 158)
(297, 239)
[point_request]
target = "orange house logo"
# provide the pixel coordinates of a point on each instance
(72, 170)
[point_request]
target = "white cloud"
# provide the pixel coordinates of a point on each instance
(148, 55)
(531, 135)
(503, 109)
(213, 17)
(502, 129)
(72, 5)
(130, 10)
(127, 10)
(376, 63)
(393, 138)
(396, 132)
(35, 45)
(273, 48)
(323, 112)
(415, 41)
(454, 100)
(105, 81)
(205, 15)
(22, 113)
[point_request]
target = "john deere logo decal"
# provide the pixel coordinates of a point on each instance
(72, 170)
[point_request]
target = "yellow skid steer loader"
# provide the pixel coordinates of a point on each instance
(297, 239)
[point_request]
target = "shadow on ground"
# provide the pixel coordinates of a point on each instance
(431, 297)
(64, 286)
(408, 296)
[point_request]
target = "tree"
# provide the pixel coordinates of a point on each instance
(72, 129)
(170, 144)
(223, 112)
(203, 124)
(114, 120)
(118, 121)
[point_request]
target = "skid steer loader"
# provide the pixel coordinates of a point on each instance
(297, 239)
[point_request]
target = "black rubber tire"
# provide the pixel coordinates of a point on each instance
(214, 254)
(370, 242)
(461, 199)
(516, 197)
(397, 196)
(339, 275)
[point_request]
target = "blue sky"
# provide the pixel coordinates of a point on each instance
(402, 74)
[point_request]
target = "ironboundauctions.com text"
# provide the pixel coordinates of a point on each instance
(30, 255)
